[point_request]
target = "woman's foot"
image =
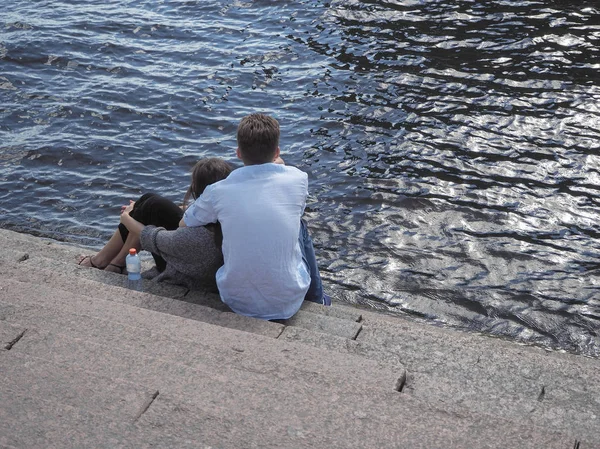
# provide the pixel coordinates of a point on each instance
(114, 268)
(88, 261)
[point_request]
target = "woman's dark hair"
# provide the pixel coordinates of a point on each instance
(206, 172)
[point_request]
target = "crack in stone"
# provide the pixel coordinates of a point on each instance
(14, 341)
(146, 405)
(400, 383)
(283, 328)
(357, 333)
(542, 394)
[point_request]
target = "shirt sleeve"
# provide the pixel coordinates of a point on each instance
(183, 243)
(148, 238)
(201, 211)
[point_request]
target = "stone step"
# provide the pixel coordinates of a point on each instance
(324, 324)
(92, 289)
(201, 306)
(22, 375)
(174, 421)
(33, 422)
(28, 420)
(52, 405)
(184, 372)
(171, 337)
(207, 299)
(458, 370)
(311, 418)
(458, 386)
(340, 311)
(137, 307)
(192, 371)
(17, 246)
(32, 262)
(450, 382)
(139, 361)
(222, 409)
(6, 446)
(463, 371)
(340, 344)
(30, 245)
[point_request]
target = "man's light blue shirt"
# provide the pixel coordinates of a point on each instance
(259, 208)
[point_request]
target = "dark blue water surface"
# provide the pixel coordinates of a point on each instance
(453, 148)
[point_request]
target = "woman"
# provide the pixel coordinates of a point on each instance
(185, 256)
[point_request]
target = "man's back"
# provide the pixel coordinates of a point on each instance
(259, 208)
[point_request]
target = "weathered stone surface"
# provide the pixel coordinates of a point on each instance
(227, 403)
(339, 344)
(59, 302)
(173, 421)
(35, 262)
(211, 300)
(204, 371)
(463, 371)
(116, 324)
(33, 422)
(35, 246)
(325, 324)
(9, 257)
(22, 375)
(28, 422)
(74, 284)
(335, 310)
(316, 418)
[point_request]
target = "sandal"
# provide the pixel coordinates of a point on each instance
(92, 264)
(120, 268)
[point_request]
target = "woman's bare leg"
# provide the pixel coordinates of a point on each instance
(100, 260)
(118, 261)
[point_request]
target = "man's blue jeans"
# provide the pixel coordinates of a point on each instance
(315, 291)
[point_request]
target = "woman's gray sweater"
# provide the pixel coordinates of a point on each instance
(192, 255)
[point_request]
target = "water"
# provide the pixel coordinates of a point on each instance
(452, 147)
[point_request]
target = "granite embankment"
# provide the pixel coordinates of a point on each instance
(85, 362)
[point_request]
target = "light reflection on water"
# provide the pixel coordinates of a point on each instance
(452, 147)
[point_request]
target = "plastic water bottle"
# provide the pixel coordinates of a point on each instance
(134, 270)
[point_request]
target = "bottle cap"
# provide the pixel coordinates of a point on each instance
(133, 251)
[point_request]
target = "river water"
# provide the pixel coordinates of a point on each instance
(453, 148)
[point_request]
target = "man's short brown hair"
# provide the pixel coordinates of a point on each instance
(258, 138)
